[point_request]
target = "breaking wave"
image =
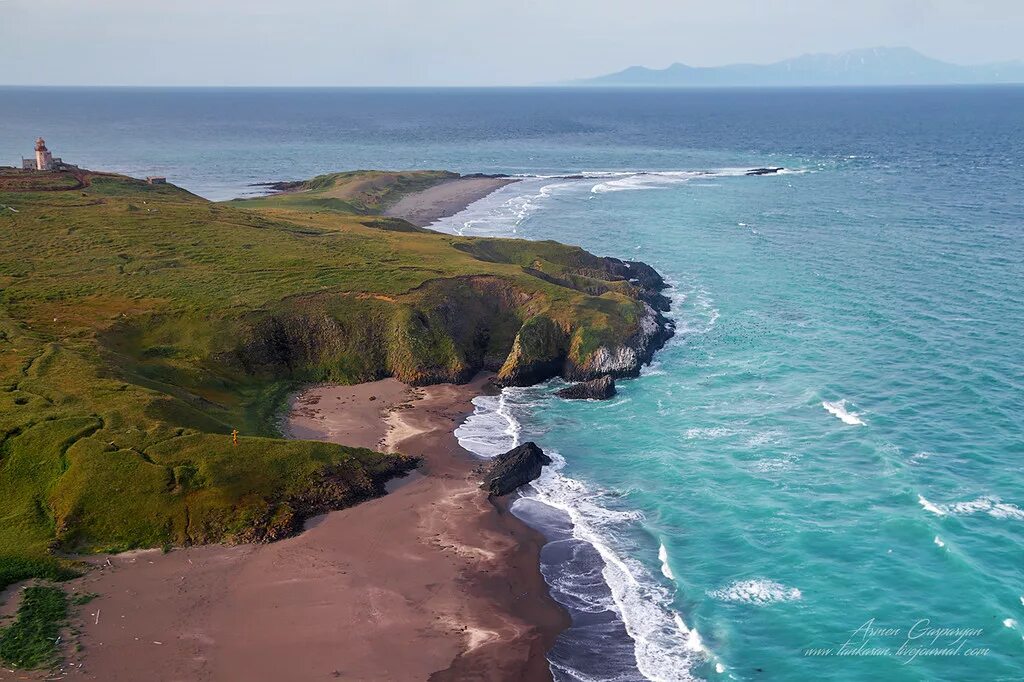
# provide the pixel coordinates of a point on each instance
(758, 592)
(503, 211)
(838, 410)
(664, 647)
(666, 570)
(988, 504)
(624, 182)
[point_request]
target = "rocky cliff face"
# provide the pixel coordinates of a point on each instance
(451, 328)
(543, 349)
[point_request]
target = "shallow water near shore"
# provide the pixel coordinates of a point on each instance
(829, 447)
(829, 450)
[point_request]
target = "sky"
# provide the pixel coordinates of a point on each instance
(465, 42)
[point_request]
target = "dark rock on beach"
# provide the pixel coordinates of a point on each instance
(489, 176)
(514, 469)
(596, 389)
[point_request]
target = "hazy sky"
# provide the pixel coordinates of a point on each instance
(464, 42)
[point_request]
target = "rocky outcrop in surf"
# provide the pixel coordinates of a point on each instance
(596, 389)
(514, 469)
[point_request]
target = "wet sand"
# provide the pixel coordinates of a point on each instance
(431, 581)
(445, 199)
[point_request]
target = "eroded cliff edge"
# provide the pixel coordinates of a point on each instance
(140, 325)
(583, 317)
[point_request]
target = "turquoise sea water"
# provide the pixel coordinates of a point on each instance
(833, 437)
(820, 477)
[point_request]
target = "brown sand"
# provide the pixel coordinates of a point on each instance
(445, 199)
(431, 581)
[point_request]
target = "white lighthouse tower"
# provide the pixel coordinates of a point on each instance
(44, 159)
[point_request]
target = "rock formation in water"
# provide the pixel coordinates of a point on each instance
(513, 469)
(602, 388)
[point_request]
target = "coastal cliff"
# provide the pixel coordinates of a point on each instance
(140, 325)
(449, 329)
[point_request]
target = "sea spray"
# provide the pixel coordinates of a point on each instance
(666, 570)
(838, 409)
(757, 592)
(986, 504)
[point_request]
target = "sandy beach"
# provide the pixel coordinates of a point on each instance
(445, 199)
(431, 581)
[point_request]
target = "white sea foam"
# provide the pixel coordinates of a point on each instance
(707, 433)
(928, 506)
(759, 592)
(652, 370)
(1009, 622)
(762, 438)
(838, 409)
(641, 601)
(666, 570)
(624, 181)
(664, 647)
(988, 504)
(503, 211)
(491, 429)
(693, 309)
(1002, 510)
(938, 542)
(773, 464)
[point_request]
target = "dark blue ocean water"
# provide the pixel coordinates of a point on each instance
(822, 476)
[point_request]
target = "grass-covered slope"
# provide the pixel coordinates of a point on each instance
(140, 324)
(357, 192)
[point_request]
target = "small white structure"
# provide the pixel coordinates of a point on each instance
(44, 160)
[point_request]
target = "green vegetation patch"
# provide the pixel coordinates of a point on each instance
(83, 598)
(32, 640)
(140, 325)
(358, 192)
(14, 569)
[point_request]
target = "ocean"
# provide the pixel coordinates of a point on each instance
(820, 476)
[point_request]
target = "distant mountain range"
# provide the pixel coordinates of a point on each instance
(873, 66)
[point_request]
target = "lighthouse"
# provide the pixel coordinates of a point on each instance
(44, 159)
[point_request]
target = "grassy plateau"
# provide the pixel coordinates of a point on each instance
(140, 324)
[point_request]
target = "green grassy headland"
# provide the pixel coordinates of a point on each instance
(140, 324)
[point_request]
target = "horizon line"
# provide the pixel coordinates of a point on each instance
(534, 86)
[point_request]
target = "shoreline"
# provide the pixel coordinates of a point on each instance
(215, 612)
(446, 199)
(433, 566)
(423, 207)
(432, 562)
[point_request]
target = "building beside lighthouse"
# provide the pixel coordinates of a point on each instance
(44, 160)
